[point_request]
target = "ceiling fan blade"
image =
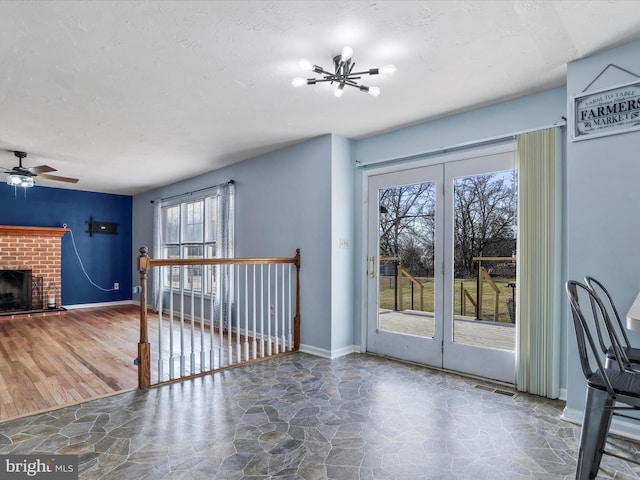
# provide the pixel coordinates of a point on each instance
(41, 169)
(58, 178)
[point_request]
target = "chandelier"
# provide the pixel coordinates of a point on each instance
(343, 74)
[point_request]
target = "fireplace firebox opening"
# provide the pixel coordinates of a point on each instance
(15, 290)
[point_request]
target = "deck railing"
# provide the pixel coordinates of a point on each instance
(216, 313)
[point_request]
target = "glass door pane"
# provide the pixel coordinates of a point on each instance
(484, 240)
(406, 286)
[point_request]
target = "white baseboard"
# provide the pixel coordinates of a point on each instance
(311, 350)
(331, 354)
(341, 352)
(100, 304)
(622, 427)
(563, 394)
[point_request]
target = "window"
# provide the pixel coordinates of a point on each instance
(195, 228)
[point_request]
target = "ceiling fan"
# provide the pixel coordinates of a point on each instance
(20, 176)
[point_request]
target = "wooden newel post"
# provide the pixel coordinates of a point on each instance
(144, 348)
(296, 320)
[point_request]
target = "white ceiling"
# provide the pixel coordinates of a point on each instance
(131, 95)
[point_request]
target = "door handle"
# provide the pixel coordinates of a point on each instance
(372, 266)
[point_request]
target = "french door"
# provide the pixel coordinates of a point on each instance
(441, 243)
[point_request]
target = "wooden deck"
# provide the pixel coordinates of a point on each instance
(465, 330)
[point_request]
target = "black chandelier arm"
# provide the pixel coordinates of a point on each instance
(319, 69)
(334, 78)
(341, 78)
(344, 81)
(371, 71)
(313, 81)
(350, 82)
(348, 76)
(351, 78)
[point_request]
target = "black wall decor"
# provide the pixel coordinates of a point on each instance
(102, 227)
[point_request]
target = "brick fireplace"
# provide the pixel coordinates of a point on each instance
(38, 249)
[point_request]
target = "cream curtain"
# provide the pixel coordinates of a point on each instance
(539, 156)
(225, 219)
(156, 253)
(225, 224)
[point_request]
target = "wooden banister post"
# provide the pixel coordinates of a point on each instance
(398, 288)
(296, 320)
(144, 348)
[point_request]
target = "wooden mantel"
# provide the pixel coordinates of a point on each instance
(33, 231)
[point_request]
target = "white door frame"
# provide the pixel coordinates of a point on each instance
(419, 349)
(445, 158)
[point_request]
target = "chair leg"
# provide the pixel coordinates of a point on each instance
(593, 435)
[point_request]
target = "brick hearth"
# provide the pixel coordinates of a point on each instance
(34, 248)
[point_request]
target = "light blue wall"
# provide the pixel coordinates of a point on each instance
(283, 202)
(342, 246)
(602, 223)
(531, 112)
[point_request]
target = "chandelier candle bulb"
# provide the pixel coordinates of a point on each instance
(387, 69)
(298, 82)
(305, 64)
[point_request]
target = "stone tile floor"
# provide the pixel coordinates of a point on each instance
(303, 417)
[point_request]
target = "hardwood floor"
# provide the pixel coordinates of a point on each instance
(52, 361)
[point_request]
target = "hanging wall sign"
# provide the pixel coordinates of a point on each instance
(606, 112)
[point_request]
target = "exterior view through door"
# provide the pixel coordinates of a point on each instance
(442, 263)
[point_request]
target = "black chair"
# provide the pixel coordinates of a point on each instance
(608, 388)
(632, 353)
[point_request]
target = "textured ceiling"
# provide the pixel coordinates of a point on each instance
(128, 96)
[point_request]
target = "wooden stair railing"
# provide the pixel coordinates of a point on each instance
(404, 272)
(483, 275)
(290, 339)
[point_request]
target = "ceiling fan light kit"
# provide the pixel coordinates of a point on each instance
(343, 74)
(19, 181)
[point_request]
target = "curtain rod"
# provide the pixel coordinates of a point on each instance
(458, 146)
(230, 182)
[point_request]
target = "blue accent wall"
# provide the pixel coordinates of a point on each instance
(107, 259)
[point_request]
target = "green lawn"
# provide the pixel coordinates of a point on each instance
(488, 296)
